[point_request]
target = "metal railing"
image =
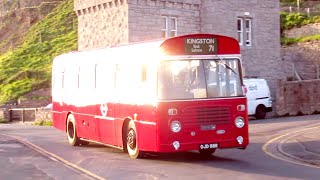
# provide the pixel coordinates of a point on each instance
(308, 11)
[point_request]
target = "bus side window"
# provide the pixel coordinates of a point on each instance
(144, 73)
(57, 79)
(87, 77)
(105, 79)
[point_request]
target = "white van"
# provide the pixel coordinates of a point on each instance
(258, 97)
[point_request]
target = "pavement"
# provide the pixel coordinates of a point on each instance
(303, 146)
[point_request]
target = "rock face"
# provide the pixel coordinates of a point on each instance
(301, 60)
(307, 30)
(304, 58)
(16, 17)
(8, 5)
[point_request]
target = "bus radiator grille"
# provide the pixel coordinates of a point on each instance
(205, 116)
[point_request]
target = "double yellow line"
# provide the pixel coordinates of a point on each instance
(265, 146)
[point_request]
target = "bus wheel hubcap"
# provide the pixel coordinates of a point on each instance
(131, 139)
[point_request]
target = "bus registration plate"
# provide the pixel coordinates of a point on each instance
(209, 146)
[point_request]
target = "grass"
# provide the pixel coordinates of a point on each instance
(28, 67)
(3, 121)
(290, 41)
(43, 123)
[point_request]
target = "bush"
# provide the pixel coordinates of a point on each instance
(293, 20)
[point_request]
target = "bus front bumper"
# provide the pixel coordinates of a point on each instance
(176, 146)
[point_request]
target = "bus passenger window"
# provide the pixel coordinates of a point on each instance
(144, 73)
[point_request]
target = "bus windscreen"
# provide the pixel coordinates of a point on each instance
(196, 79)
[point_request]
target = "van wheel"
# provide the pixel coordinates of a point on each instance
(261, 112)
(72, 132)
(132, 142)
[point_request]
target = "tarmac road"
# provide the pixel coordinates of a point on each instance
(19, 162)
(278, 150)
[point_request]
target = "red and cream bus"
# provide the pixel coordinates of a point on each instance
(180, 94)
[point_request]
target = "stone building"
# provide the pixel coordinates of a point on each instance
(255, 23)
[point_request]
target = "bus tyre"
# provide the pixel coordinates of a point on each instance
(261, 112)
(131, 141)
(71, 131)
(206, 152)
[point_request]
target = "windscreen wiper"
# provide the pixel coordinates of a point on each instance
(226, 65)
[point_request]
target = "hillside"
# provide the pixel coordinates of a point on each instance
(28, 66)
(301, 41)
(30, 38)
(16, 17)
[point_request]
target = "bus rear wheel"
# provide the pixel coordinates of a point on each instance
(207, 152)
(72, 132)
(132, 142)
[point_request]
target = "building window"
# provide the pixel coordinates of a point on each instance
(240, 30)
(244, 29)
(169, 26)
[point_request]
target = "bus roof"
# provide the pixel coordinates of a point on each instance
(193, 44)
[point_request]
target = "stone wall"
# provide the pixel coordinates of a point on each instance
(145, 21)
(26, 115)
(302, 58)
(298, 98)
(43, 115)
(29, 115)
(101, 23)
(263, 58)
(2, 113)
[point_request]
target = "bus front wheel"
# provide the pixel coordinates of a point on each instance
(132, 142)
(71, 131)
(207, 152)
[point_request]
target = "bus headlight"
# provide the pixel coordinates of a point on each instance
(175, 126)
(239, 122)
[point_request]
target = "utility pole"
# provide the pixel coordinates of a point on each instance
(298, 5)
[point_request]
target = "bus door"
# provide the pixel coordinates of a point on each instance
(86, 104)
(104, 109)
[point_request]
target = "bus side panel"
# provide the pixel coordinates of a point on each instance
(121, 112)
(145, 125)
(58, 121)
(105, 123)
(147, 128)
(147, 136)
(105, 131)
(57, 94)
(86, 122)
